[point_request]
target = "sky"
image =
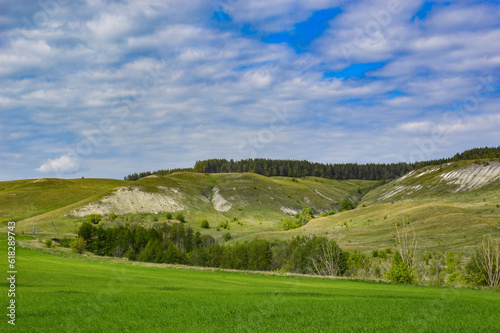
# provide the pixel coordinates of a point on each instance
(107, 88)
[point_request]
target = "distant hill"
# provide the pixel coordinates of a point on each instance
(257, 202)
(449, 206)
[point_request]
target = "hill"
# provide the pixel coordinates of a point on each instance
(449, 206)
(253, 203)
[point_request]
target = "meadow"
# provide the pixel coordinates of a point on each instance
(94, 294)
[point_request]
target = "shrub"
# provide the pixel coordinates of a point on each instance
(168, 216)
(224, 225)
(78, 245)
(288, 225)
(131, 255)
(204, 224)
(94, 218)
(400, 271)
(227, 236)
(346, 205)
(48, 243)
(179, 216)
(65, 242)
(484, 266)
(112, 215)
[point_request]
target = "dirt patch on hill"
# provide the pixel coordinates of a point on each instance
(132, 200)
(473, 176)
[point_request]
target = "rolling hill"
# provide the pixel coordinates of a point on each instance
(450, 206)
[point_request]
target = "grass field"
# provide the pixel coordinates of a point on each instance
(57, 294)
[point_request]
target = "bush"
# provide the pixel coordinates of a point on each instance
(168, 216)
(78, 245)
(346, 205)
(227, 236)
(224, 225)
(131, 255)
(94, 218)
(48, 243)
(288, 225)
(112, 215)
(400, 271)
(484, 266)
(65, 242)
(204, 224)
(179, 216)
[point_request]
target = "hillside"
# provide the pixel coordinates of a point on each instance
(258, 203)
(451, 206)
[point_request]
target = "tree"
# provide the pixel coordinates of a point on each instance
(400, 271)
(484, 266)
(94, 218)
(403, 262)
(179, 216)
(346, 205)
(204, 224)
(78, 245)
(329, 259)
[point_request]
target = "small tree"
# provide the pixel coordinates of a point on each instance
(403, 263)
(484, 266)
(400, 271)
(94, 218)
(48, 243)
(346, 205)
(179, 216)
(78, 245)
(204, 224)
(227, 236)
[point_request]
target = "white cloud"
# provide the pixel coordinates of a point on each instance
(63, 164)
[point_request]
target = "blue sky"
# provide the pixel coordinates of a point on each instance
(106, 88)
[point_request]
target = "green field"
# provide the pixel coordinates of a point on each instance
(56, 294)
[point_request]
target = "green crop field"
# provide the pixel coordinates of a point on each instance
(55, 294)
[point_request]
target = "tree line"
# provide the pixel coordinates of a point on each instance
(339, 171)
(173, 243)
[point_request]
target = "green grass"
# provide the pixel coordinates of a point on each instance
(256, 200)
(57, 294)
(22, 199)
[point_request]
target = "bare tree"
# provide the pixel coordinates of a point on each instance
(407, 243)
(328, 262)
(488, 261)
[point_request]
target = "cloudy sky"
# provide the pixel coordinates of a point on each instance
(106, 88)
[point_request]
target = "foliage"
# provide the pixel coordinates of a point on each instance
(94, 218)
(180, 217)
(48, 243)
(78, 245)
(204, 224)
(288, 225)
(65, 242)
(400, 271)
(227, 236)
(346, 205)
(484, 266)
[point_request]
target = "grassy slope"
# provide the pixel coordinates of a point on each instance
(441, 218)
(255, 199)
(58, 294)
(26, 198)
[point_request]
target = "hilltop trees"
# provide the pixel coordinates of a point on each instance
(294, 168)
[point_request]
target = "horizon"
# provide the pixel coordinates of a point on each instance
(103, 89)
